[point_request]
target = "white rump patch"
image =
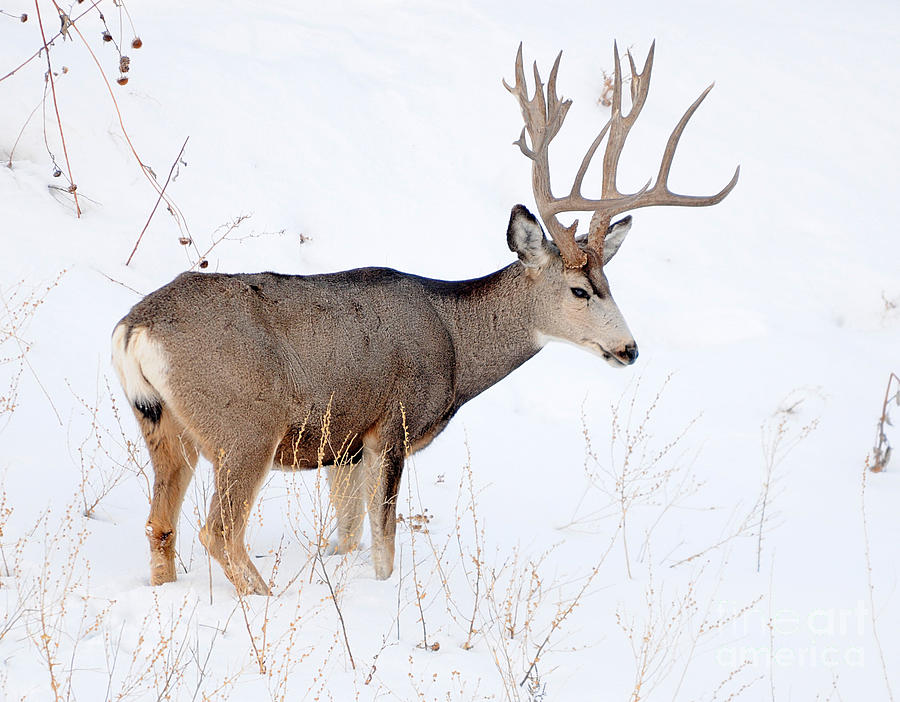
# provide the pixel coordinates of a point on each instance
(142, 367)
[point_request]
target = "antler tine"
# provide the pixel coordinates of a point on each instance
(538, 109)
(575, 192)
(660, 194)
(520, 77)
(634, 73)
(556, 109)
(619, 128)
(543, 119)
(617, 81)
(642, 78)
(639, 88)
(611, 155)
(621, 124)
(552, 97)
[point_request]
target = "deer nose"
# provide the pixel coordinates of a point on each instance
(629, 353)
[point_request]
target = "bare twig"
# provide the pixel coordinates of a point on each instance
(119, 282)
(337, 606)
(384, 645)
(258, 654)
(158, 200)
(226, 230)
(871, 587)
(778, 439)
(881, 454)
(101, 469)
(420, 594)
(146, 170)
(30, 305)
(72, 186)
(56, 36)
(779, 436)
(320, 535)
(478, 559)
(22, 130)
(642, 471)
(564, 612)
(770, 625)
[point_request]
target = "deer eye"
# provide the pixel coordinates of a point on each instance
(581, 292)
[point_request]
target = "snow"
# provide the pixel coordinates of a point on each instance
(360, 134)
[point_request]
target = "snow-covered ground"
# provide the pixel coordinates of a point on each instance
(357, 133)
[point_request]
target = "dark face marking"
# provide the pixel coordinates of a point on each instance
(594, 273)
(598, 291)
(594, 283)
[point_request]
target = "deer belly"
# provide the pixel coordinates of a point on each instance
(305, 448)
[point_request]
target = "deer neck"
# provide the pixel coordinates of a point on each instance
(491, 322)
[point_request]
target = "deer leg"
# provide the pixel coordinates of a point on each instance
(382, 474)
(238, 477)
(348, 499)
(174, 456)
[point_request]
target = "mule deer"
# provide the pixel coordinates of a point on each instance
(234, 366)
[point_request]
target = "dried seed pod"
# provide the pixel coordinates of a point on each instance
(136, 43)
(57, 173)
(204, 263)
(123, 80)
(24, 17)
(124, 64)
(106, 35)
(184, 241)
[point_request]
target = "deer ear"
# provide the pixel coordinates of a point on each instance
(615, 235)
(526, 238)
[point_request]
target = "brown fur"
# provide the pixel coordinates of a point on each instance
(246, 368)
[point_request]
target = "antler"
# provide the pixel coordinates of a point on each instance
(543, 120)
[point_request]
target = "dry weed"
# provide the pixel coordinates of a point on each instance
(642, 474)
(669, 631)
(19, 304)
(105, 457)
(781, 433)
(890, 307)
(869, 583)
(511, 610)
(881, 453)
(58, 614)
(780, 436)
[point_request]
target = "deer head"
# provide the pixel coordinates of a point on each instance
(573, 268)
(572, 304)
